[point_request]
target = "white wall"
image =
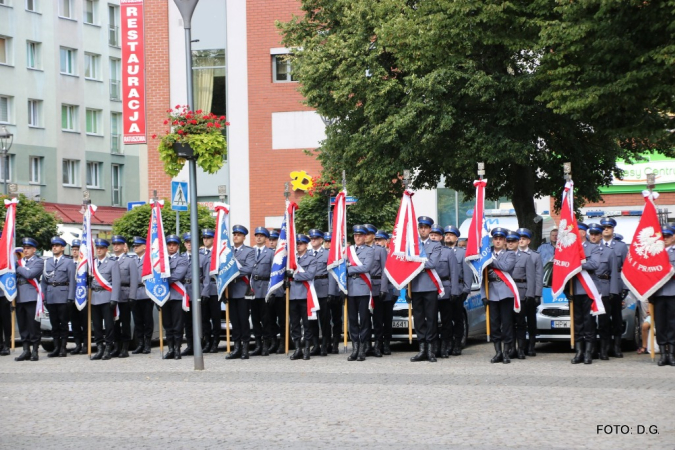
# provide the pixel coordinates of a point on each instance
(297, 129)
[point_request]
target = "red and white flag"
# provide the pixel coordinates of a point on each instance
(355, 261)
(337, 255)
(292, 262)
(7, 258)
(647, 267)
(404, 260)
(569, 254)
(180, 288)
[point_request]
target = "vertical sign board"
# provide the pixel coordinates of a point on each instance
(133, 71)
(179, 195)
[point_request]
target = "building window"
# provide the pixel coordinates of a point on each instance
(32, 5)
(115, 77)
(116, 133)
(68, 61)
(116, 184)
(94, 174)
(5, 109)
(281, 69)
(68, 118)
(90, 11)
(113, 25)
(66, 9)
(5, 50)
(35, 175)
(92, 66)
(10, 168)
(208, 75)
(33, 56)
(94, 122)
(34, 113)
(70, 172)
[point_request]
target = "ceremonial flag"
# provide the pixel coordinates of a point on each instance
(292, 261)
(478, 248)
(569, 254)
(647, 266)
(82, 270)
(156, 268)
(404, 260)
(7, 258)
(337, 261)
(280, 261)
(223, 263)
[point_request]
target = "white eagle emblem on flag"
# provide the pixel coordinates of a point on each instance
(649, 243)
(565, 235)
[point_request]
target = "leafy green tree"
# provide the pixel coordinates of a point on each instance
(32, 220)
(439, 85)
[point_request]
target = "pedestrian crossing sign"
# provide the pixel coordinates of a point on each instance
(179, 195)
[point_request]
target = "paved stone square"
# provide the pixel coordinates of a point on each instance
(143, 402)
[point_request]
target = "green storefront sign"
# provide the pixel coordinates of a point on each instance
(635, 175)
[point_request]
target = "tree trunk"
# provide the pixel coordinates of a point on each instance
(523, 203)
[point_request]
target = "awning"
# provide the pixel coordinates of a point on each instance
(105, 215)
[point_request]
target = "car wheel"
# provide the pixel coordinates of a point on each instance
(48, 346)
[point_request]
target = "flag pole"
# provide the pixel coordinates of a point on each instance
(406, 182)
(161, 336)
(86, 201)
(344, 306)
(651, 182)
(12, 310)
(567, 170)
(227, 317)
(486, 282)
(287, 193)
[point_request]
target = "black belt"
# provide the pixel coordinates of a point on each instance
(520, 280)
(445, 278)
(320, 277)
(260, 278)
(97, 289)
(494, 279)
(140, 285)
(354, 276)
(21, 282)
(125, 285)
(63, 283)
(603, 277)
(461, 280)
(188, 281)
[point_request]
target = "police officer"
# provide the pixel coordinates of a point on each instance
(144, 322)
(529, 307)
(464, 281)
(327, 237)
(620, 251)
(664, 308)
(59, 292)
(606, 278)
(525, 276)
(298, 298)
(5, 324)
(172, 311)
(547, 249)
(359, 293)
(500, 297)
(79, 320)
(321, 286)
(261, 316)
(377, 279)
(210, 303)
(425, 295)
(448, 271)
(389, 295)
(239, 288)
(335, 304)
(187, 315)
(128, 278)
(28, 272)
(276, 306)
(104, 297)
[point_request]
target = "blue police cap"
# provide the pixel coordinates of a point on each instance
(76, 243)
(425, 220)
(101, 243)
(315, 233)
(172, 238)
(208, 233)
(302, 238)
(58, 241)
(381, 235)
(512, 236)
(29, 242)
(618, 237)
(370, 229)
(18, 249)
(359, 229)
(274, 234)
(240, 229)
(524, 232)
(668, 231)
(262, 230)
(594, 228)
(436, 229)
(139, 240)
(117, 239)
(327, 237)
(187, 237)
(608, 222)
(499, 232)
(582, 226)
(453, 230)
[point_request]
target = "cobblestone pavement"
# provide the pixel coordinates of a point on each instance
(462, 402)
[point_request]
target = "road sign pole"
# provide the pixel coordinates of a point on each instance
(177, 223)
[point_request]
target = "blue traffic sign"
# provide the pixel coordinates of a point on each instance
(132, 205)
(179, 195)
(349, 200)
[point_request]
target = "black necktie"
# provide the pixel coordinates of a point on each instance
(259, 252)
(98, 263)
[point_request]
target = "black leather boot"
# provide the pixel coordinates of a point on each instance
(521, 348)
(177, 354)
(57, 348)
(265, 347)
(368, 348)
(244, 349)
(100, 348)
(604, 349)
(147, 345)
(595, 349)
(336, 345)
(107, 353)
(116, 350)
(530, 347)
(34, 355)
(445, 352)
(617, 347)
(139, 349)
(355, 352)
(297, 353)
(457, 347)
(324, 345)
(273, 345)
(281, 348)
(579, 356)
(386, 347)
(77, 349)
(316, 350)
(307, 353)
(376, 349)
(421, 355)
(189, 349)
(25, 355)
(257, 351)
(236, 352)
(588, 355)
(214, 346)
(171, 354)
(499, 355)
(431, 351)
(665, 357)
(363, 348)
(124, 352)
(64, 351)
(508, 351)
(671, 355)
(4, 351)
(206, 348)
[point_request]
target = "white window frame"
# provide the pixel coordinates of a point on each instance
(71, 120)
(94, 12)
(70, 61)
(115, 79)
(93, 179)
(97, 128)
(114, 26)
(116, 146)
(72, 167)
(7, 44)
(35, 170)
(32, 6)
(34, 54)
(92, 63)
(66, 4)
(116, 191)
(35, 113)
(10, 160)
(6, 108)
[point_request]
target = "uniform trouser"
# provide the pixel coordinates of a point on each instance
(298, 313)
(5, 323)
(425, 314)
(335, 308)
(279, 317)
(211, 317)
(271, 316)
(359, 318)
(584, 322)
(29, 328)
(172, 318)
(323, 319)
(526, 319)
(79, 321)
(378, 316)
(444, 307)
(240, 309)
(103, 316)
(144, 322)
(501, 320)
(58, 317)
(664, 320)
(388, 317)
(261, 318)
(123, 323)
(187, 325)
(605, 320)
(616, 316)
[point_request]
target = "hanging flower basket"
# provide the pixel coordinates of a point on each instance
(183, 150)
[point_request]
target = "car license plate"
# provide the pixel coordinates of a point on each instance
(400, 324)
(560, 323)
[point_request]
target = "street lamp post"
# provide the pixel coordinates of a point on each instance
(187, 8)
(6, 139)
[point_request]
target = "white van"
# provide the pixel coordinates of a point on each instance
(626, 220)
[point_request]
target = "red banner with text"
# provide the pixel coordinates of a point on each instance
(133, 71)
